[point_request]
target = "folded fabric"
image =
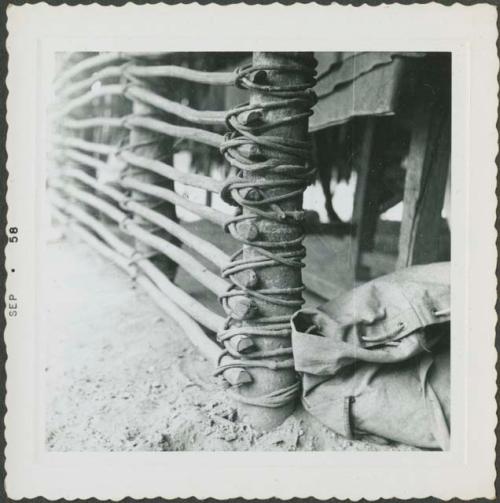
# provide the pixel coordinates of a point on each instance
(376, 359)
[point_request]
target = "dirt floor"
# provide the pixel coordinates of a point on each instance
(121, 376)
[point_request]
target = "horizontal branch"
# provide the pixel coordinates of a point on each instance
(318, 286)
(92, 122)
(186, 133)
(91, 222)
(182, 312)
(167, 71)
(203, 211)
(192, 266)
(86, 65)
(84, 159)
(96, 202)
(109, 191)
(204, 248)
(198, 271)
(85, 99)
(61, 217)
(203, 117)
(105, 59)
(136, 93)
(162, 169)
(88, 146)
(198, 338)
(103, 249)
(82, 85)
(123, 255)
(179, 72)
(185, 301)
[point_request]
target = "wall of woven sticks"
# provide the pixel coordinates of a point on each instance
(119, 119)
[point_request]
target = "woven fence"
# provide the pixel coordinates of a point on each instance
(118, 119)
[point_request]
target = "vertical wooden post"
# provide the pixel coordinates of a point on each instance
(427, 170)
(423, 200)
(365, 210)
(154, 146)
(266, 381)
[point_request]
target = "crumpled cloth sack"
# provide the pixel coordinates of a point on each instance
(376, 360)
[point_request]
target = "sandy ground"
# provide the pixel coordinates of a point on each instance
(121, 376)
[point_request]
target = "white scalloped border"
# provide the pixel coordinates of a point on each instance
(469, 473)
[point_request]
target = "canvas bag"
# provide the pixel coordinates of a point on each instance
(376, 361)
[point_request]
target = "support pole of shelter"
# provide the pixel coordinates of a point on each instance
(153, 146)
(269, 147)
(427, 167)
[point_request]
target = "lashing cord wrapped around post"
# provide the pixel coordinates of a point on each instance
(265, 160)
(248, 129)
